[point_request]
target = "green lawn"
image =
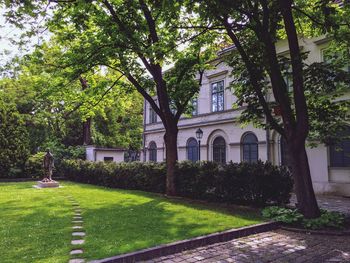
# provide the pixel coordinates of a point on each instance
(35, 224)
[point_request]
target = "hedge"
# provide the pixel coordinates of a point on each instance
(251, 184)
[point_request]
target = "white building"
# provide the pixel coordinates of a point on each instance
(224, 139)
(98, 154)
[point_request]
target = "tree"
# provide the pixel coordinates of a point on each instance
(135, 38)
(254, 27)
(52, 103)
(14, 141)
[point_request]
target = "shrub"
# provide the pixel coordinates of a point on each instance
(284, 215)
(251, 184)
(328, 219)
(34, 165)
(290, 216)
(14, 141)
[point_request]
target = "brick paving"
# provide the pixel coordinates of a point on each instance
(273, 246)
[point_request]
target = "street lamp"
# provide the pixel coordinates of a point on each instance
(199, 135)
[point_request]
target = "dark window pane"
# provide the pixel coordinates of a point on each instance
(152, 151)
(250, 148)
(340, 152)
(219, 150)
(192, 150)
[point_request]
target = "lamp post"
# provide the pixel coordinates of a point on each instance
(199, 135)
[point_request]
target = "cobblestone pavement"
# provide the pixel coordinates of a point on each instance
(332, 203)
(274, 246)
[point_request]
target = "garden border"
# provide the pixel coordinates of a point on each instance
(187, 244)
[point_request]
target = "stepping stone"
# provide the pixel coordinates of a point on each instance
(77, 217)
(79, 234)
(76, 251)
(77, 221)
(78, 242)
(77, 260)
(77, 227)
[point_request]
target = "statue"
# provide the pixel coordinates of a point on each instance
(48, 165)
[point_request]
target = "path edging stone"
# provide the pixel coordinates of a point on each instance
(178, 246)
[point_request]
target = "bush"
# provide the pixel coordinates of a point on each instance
(14, 141)
(290, 216)
(34, 165)
(328, 219)
(251, 184)
(281, 214)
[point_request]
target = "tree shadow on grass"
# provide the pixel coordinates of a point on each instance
(137, 220)
(36, 229)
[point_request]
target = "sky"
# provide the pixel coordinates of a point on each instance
(7, 49)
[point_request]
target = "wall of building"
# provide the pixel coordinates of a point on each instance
(225, 123)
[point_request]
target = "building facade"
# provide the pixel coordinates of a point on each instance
(224, 139)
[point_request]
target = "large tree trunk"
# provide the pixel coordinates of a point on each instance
(307, 203)
(170, 139)
(87, 132)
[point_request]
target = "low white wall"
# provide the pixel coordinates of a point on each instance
(96, 154)
(118, 156)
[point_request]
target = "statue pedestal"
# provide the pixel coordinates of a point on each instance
(48, 184)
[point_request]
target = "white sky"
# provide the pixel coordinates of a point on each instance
(7, 49)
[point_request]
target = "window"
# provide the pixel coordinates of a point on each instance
(284, 152)
(250, 148)
(192, 150)
(217, 96)
(152, 115)
(219, 150)
(340, 152)
(288, 77)
(152, 150)
(194, 106)
(108, 159)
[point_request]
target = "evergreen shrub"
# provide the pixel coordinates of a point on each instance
(250, 184)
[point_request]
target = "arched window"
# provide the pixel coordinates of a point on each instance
(340, 152)
(250, 148)
(284, 152)
(192, 150)
(152, 150)
(219, 150)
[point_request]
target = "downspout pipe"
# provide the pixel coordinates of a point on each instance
(144, 128)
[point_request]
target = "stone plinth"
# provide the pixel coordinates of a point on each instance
(48, 184)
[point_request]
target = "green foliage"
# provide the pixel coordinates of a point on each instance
(284, 215)
(34, 166)
(251, 184)
(327, 219)
(14, 141)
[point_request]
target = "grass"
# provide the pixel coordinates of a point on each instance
(35, 225)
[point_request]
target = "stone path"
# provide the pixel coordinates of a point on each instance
(274, 246)
(78, 233)
(331, 203)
